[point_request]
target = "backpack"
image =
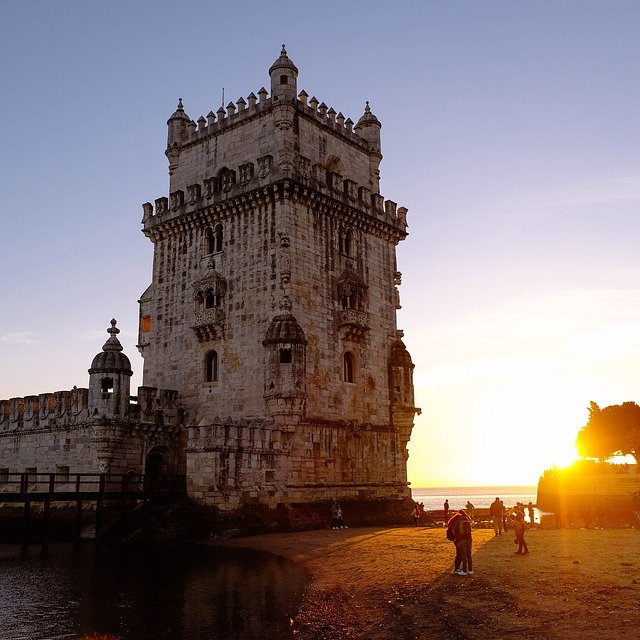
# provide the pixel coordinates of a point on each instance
(464, 529)
(453, 523)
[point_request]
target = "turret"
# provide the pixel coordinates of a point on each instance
(178, 125)
(368, 127)
(110, 379)
(284, 78)
(285, 384)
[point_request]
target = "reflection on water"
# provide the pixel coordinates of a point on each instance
(186, 592)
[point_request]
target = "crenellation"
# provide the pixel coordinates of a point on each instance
(268, 328)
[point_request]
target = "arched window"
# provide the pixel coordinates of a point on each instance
(218, 238)
(349, 367)
(348, 243)
(211, 300)
(213, 239)
(211, 365)
(209, 241)
(286, 356)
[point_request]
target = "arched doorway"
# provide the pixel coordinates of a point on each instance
(157, 469)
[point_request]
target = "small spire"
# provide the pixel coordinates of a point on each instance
(179, 107)
(284, 51)
(285, 304)
(113, 330)
(112, 343)
(367, 109)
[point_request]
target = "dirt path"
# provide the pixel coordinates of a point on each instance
(396, 584)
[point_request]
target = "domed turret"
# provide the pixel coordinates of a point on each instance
(368, 127)
(284, 329)
(401, 383)
(285, 382)
(109, 378)
(284, 78)
(178, 125)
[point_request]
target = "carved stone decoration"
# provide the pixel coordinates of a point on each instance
(320, 174)
(285, 259)
(177, 199)
(208, 293)
(351, 317)
(210, 187)
(193, 193)
(162, 204)
(335, 180)
(350, 188)
(264, 166)
(246, 172)
(304, 165)
(227, 179)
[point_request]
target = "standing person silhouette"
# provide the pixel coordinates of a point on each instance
(519, 528)
(495, 511)
(469, 507)
(531, 514)
(446, 510)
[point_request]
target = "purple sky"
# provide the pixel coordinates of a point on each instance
(510, 131)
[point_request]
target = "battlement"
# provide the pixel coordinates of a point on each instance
(63, 409)
(236, 181)
(242, 110)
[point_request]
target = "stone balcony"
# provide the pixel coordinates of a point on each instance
(352, 324)
(208, 324)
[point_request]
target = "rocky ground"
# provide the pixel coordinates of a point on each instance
(397, 584)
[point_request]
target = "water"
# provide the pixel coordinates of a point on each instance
(187, 592)
(480, 497)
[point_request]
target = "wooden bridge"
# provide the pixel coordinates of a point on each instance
(124, 490)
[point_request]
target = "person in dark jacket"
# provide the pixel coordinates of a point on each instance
(459, 530)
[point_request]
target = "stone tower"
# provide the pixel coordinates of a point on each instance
(109, 379)
(272, 307)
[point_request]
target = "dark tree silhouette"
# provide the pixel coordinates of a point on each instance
(612, 431)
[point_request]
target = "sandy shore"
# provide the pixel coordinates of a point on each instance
(396, 583)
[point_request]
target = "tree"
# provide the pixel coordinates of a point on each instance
(612, 431)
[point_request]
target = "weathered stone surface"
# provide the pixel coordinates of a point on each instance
(271, 313)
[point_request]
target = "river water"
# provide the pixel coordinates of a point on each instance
(182, 592)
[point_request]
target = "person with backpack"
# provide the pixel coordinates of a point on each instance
(459, 532)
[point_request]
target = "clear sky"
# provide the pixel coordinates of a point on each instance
(511, 132)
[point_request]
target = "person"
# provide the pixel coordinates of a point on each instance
(495, 511)
(531, 514)
(469, 507)
(340, 521)
(635, 505)
(459, 531)
(334, 514)
(519, 528)
(416, 514)
(503, 515)
(446, 510)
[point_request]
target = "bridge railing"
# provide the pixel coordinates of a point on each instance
(35, 484)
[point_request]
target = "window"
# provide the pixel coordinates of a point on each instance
(348, 242)
(209, 241)
(345, 243)
(213, 239)
(349, 367)
(284, 80)
(218, 238)
(285, 356)
(211, 301)
(106, 385)
(211, 365)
